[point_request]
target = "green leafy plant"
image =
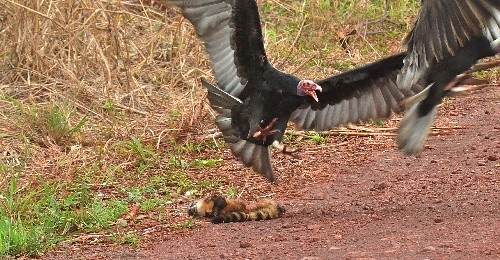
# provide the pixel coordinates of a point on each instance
(147, 156)
(146, 152)
(198, 163)
(47, 123)
(108, 104)
(232, 192)
(19, 236)
(129, 238)
(379, 123)
(185, 224)
(288, 136)
(316, 137)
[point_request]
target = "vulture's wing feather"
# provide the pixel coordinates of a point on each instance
(233, 40)
(256, 156)
(252, 155)
(443, 27)
(358, 95)
(211, 19)
(250, 55)
(219, 99)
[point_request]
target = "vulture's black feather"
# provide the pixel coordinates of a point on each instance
(251, 94)
(448, 38)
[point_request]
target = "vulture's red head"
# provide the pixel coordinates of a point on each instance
(309, 88)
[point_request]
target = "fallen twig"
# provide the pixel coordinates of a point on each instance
(91, 236)
(363, 132)
(132, 109)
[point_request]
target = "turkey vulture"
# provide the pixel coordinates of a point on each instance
(255, 100)
(448, 38)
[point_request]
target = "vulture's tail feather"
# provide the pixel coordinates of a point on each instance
(414, 127)
(252, 155)
(257, 156)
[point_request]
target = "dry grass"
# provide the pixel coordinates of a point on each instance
(133, 69)
(88, 51)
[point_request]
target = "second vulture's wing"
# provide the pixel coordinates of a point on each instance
(448, 38)
(442, 28)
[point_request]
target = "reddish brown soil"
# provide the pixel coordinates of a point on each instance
(360, 198)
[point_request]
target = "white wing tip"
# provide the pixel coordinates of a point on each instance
(256, 156)
(414, 130)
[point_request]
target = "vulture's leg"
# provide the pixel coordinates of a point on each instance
(266, 131)
(453, 86)
(282, 148)
(485, 66)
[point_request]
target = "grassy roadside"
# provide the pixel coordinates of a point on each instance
(102, 109)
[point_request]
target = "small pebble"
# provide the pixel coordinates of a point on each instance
(337, 237)
(313, 227)
(380, 186)
(492, 158)
(429, 249)
(314, 239)
(245, 245)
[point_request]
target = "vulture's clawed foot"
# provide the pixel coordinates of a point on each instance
(266, 131)
(467, 78)
(283, 149)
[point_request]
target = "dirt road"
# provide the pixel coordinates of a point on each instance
(366, 201)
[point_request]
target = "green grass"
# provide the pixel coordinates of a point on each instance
(232, 193)
(203, 163)
(17, 238)
(109, 104)
(129, 238)
(48, 123)
(147, 157)
(315, 137)
(185, 224)
(312, 30)
(35, 216)
(492, 74)
(379, 123)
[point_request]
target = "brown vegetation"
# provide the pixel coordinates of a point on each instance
(133, 67)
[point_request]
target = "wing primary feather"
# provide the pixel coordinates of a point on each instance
(219, 96)
(414, 130)
(256, 156)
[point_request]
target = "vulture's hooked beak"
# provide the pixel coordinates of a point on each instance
(309, 88)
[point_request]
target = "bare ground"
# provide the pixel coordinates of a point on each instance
(357, 198)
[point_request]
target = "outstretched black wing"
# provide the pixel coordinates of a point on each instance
(233, 39)
(442, 28)
(362, 94)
